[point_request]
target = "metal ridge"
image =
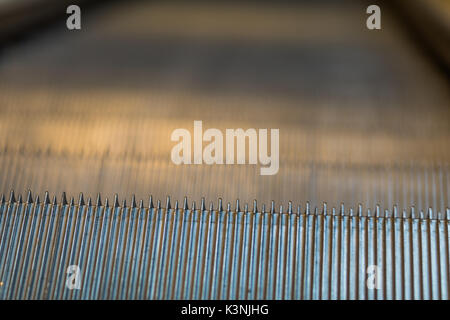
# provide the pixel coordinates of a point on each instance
(52, 249)
(342, 210)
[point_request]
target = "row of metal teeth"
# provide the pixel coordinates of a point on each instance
(377, 212)
(133, 252)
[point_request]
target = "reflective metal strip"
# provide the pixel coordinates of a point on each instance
(137, 252)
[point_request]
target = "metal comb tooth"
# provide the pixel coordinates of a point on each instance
(180, 264)
(99, 200)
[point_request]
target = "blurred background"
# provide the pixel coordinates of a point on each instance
(363, 114)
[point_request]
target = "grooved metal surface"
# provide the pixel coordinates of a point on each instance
(150, 252)
(363, 116)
